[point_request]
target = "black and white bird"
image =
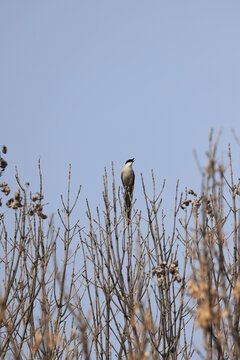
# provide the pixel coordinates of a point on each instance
(128, 177)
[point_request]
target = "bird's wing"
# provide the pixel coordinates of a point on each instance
(133, 179)
(131, 187)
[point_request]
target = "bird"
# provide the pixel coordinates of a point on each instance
(128, 178)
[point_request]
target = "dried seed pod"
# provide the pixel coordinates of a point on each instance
(39, 208)
(175, 262)
(9, 202)
(17, 194)
(14, 205)
(37, 196)
(4, 149)
(172, 268)
(161, 271)
(6, 190)
(197, 202)
(43, 216)
(40, 197)
(2, 185)
(31, 211)
(0, 201)
(178, 278)
(191, 192)
(163, 263)
(27, 184)
(3, 163)
(160, 279)
(187, 202)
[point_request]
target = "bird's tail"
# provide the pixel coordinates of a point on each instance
(128, 204)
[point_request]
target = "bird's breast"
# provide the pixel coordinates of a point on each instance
(127, 177)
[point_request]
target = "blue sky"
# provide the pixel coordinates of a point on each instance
(90, 82)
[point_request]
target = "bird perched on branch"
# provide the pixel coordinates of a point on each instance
(128, 177)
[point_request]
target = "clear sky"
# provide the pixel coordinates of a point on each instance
(90, 82)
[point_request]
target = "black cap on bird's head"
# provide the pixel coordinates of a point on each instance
(130, 161)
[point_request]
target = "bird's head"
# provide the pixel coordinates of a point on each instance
(130, 161)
